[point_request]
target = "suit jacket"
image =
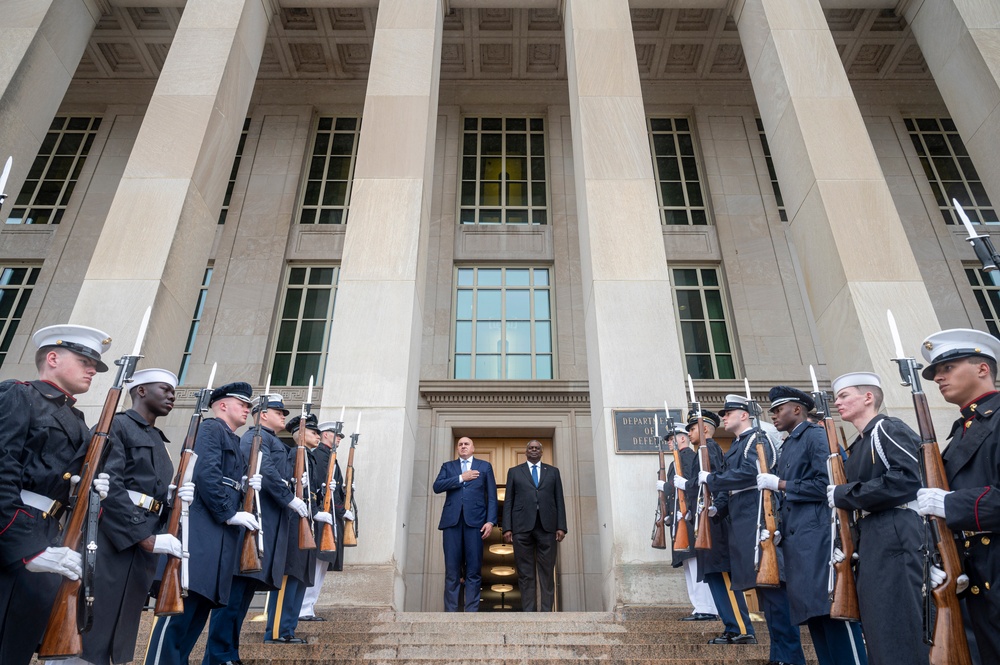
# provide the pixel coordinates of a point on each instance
(475, 501)
(524, 501)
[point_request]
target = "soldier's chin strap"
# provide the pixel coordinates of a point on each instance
(85, 609)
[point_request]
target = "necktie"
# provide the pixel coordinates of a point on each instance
(534, 474)
(465, 465)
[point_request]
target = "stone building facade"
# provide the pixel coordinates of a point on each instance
(505, 219)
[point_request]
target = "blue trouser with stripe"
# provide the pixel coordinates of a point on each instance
(786, 640)
(837, 642)
(173, 637)
(732, 605)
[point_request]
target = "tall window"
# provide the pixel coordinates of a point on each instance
(679, 191)
(701, 313)
(949, 170)
(304, 328)
(331, 171)
(54, 172)
(782, 213)
(232, 174)
(199, 307)
(987, 295)
(16, 285)
(503, 171)
(503, 324)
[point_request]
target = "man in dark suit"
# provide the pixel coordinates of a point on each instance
(534, 519)
(470, 512)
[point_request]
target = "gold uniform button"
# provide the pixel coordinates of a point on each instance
(67, 475)
(974, 590)
(987, 585)
(986, 540)
(967, 544)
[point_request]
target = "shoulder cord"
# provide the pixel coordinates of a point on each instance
(879, 430)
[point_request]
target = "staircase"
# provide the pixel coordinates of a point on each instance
(633, 635)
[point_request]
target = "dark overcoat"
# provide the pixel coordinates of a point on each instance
(321, 464)
(275, 495)
(689, 467)
(715, 560)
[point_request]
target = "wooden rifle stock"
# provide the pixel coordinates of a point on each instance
(250, 555)
(170, 598)
(659, 521)
(844, 598)
(703, 539)
(327, 539)
(306, 539)
(682, 539)
(949, 645)
(63, 633)
(350, 535)
(768, 574)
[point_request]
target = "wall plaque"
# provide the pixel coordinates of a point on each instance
(635, 429)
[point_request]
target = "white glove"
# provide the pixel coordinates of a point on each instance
(767, 481)
(102, 483)
(244, 519)
(765, 534)
(838, 554)
(660, 485)
(305, 479)
(59, 560)
(830, 489)
(349, 515)
(703, 477)
(930, 501)
(167, 544)
(333, 485)
(939, 577)
(299, 506)
(326, 518)
(254, 481)
(712, 511)
(678, 516)
(186, 493)
(680, 482)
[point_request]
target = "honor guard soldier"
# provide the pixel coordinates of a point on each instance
(713, 564)
(801, 476)
(328, 444)
(963, 363)
(277, 504)
(738, 480)
(216, 525)
(283, 606)
(43, 440)
(883, 476)
(698, 593)
(132, 516)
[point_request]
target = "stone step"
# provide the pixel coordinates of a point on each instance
(735, 660)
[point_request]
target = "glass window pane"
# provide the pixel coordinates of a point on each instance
(463, 367)
(720, 337)
(700, 367)
(279, 370)
(465, 277)
(489, 277)
(487, 367)
(673, 193)
(542, 310)
(713, 301)
(517, 144)
(463, 337)
(543, 337)
(518, 337)
(317, 303)
(488, 337)
(689, 305)
(293, 299)
(517, 194)
(488, 304)
(286, 336)
(726, 369)
(518, 367)
(517, 277)
(543, 367)
(685, 277)
(306, 367)
(463, 305)
(541, 277)
(709, 277)
(695, 337)
(518, 305)
(311, 336)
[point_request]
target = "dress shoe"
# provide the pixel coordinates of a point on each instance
(725, 638)
(285, 640)
(777, 662)
(233, 662)
(311, 618)
(744, 639)
(700, 616)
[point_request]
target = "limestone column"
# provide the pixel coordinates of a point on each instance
(855, 256)
(960, 40)
(633, 352)
(374, 360)
(41, 43)
(159, 231)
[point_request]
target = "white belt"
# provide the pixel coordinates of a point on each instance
(745, 489)
(39, 502)
(144, 501)
(912, 505)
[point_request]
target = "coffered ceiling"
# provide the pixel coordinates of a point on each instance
(518, 44)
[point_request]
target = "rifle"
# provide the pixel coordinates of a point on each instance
(328, 533)
(174, 585)
(252, 554)
(659, 536)
(765, 553)
(702, 529)
(70, 617)
(840, 582)
(947, 637)
(350, 529)
(306, 539)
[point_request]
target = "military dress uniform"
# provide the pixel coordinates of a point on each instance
(739, 505)
(972, 508)
(226, 623)
(806, 542)
(214, 545)
(325, 561)
(140, 470)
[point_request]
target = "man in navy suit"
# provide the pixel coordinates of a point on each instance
(534, 520)
(470, 512)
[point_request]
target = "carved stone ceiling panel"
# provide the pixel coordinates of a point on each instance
(500, 44)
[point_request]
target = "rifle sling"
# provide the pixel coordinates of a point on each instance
(85, 608)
